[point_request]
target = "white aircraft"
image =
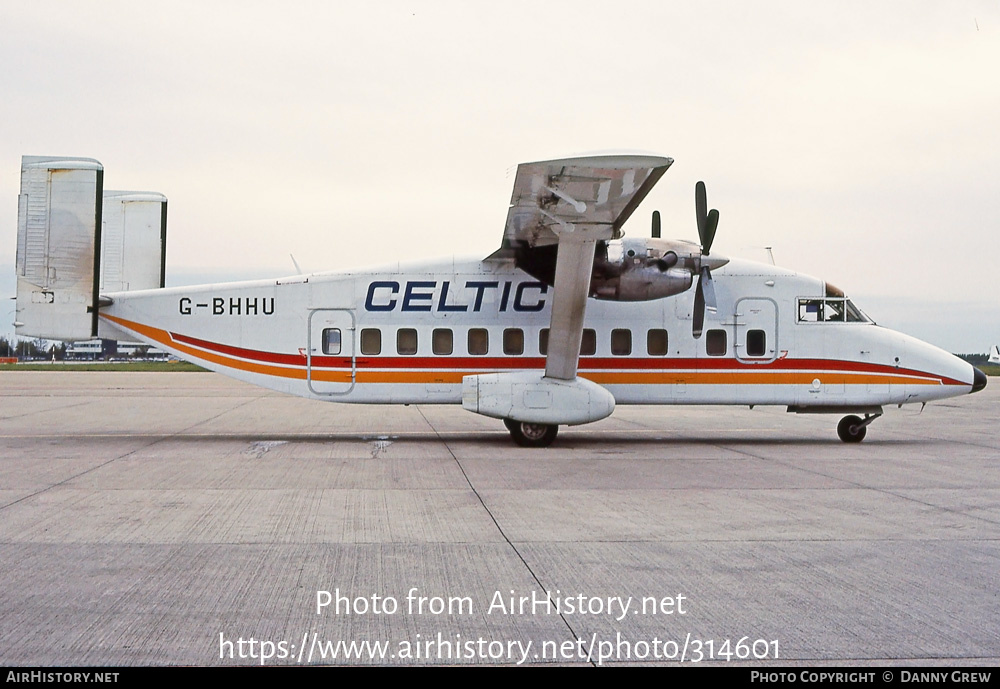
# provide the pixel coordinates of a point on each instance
(563, 322)
(995, 355)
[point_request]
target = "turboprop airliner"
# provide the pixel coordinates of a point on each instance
(566, 320)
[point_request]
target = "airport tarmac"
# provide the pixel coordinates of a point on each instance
(172, 518)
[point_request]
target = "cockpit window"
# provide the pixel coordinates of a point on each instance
(810, 310)
(855, 315)
(833, 310)
(830, 310)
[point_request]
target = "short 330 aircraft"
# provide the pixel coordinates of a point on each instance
(567, 319)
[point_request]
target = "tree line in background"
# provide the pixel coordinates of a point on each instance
(974, 359)
(25, 348)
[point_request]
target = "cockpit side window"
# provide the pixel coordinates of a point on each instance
(810, 310)
(830, 310)
(854, 314)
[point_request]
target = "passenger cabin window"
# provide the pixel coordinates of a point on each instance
(331, 340)
(715, 343)
(406, 341)
(442, 341)
(588, 345)
(621, 342)
(479, 341)
(656, 342)
(756, 343)
(371, 341)
(513, 341)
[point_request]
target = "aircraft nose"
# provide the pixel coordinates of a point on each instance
(978, 380)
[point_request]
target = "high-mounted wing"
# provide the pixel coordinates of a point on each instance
(574, 202)
(598, 192)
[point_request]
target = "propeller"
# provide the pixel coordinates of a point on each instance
(704, 296)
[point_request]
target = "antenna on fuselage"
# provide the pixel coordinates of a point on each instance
(296, 263)
(768, 249)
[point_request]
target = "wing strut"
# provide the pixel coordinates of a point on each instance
(574, 262)
(572, 203)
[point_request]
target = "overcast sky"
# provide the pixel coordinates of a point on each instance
(860, 140)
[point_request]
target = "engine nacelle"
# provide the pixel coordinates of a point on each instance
(642, 269)
(638, 269)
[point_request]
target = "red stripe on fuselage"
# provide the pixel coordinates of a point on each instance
(533, 362)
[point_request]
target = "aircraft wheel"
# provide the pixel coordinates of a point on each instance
(850, 429)
(532, 434)
(511, 424)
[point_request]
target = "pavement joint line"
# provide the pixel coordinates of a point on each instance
(157, 440)
(82, 473)
(500, 528)
(856, 484)
(43, 411)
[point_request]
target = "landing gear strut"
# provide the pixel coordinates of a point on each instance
(531, 434)
(852, 429)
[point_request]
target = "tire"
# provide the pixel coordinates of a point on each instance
(850, 429)
(532, 434)
(510, 424)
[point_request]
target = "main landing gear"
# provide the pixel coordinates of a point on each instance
(852, 429)
(531, 434)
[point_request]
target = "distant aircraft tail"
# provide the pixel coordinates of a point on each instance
(995, 355)
(74, 241)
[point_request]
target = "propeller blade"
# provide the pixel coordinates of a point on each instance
(700, 209)
(656, 224)
(704, 296)
(708, 289)
(698, 317)
(711, 225)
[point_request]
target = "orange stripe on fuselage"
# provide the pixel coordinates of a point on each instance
(454, 376)
(164, 338)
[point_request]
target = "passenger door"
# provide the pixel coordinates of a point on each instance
(330, 356)
(756, 330)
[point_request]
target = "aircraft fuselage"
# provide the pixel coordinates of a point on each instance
(409, 334)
